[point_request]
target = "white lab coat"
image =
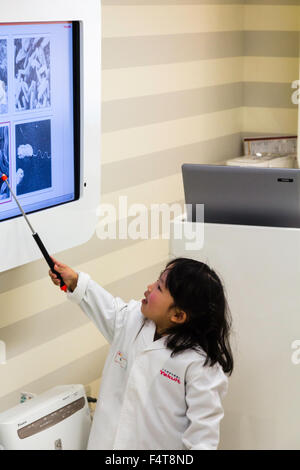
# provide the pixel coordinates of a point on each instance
(147, 399)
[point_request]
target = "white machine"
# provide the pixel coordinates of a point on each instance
(58, 419)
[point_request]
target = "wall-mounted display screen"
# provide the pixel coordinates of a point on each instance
(39, 115)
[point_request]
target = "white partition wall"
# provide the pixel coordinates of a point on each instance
(260, 268)
(71, 224)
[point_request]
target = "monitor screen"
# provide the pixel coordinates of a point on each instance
(39, 115)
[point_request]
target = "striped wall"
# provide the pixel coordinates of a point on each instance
(183, 80)
(271, 64)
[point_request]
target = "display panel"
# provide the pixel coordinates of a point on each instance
(39, 115)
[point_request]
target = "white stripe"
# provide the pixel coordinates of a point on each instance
(134, 20)
(145, 20)
(271, 69)
(166, 78)
(271, 18)
(157, 191)
(133, 142)
(270, 120)
(133, 82)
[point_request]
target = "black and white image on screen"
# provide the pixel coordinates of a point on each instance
(32, 73)
(3, 77)
(33, 156)
(4, 161)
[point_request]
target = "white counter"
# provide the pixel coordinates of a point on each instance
(260, 268)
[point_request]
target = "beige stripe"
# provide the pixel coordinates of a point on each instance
(176, 2)
(45, 358)
(151, 50)
(37, 270)
(87, 369)
(148, 167)
(163, 190)
(46, 325)
(270, 69)
(84, 370)
(133, 287)
(272, 2)
(128, 21)
(149, 80)
(144, 110)
(151, 20)
(129, 143)
(271, 18)
(166, 78)
(202, 2)
(66, 317)
(77, 368)
(268, 95)
(271, 43)
(23, 302)
(141, 255)
(272, 120)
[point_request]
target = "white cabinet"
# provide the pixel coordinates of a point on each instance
(260, 268)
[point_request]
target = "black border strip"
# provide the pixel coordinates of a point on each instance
(76, 106)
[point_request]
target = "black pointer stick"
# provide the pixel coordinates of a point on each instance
(37, 238)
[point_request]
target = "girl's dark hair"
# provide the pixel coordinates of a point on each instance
(198, 291)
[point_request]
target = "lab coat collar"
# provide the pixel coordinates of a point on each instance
(147, 332)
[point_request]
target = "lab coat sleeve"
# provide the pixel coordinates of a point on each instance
(107, 312)
(205, 387)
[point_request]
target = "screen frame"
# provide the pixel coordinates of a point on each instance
(76, 78)
(76, 107)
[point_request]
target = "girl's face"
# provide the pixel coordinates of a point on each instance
(158, 305)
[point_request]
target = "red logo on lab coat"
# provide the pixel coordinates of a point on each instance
(170, 375)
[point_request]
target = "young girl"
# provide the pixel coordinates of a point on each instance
(164, 376)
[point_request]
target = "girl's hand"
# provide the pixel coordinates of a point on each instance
(70, 277)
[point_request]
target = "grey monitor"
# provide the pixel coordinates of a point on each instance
(243, 196)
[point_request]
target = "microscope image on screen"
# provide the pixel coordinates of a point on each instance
(32, 73)
(3, 77)
(33, 156)
(4, 161)
(39, 128)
